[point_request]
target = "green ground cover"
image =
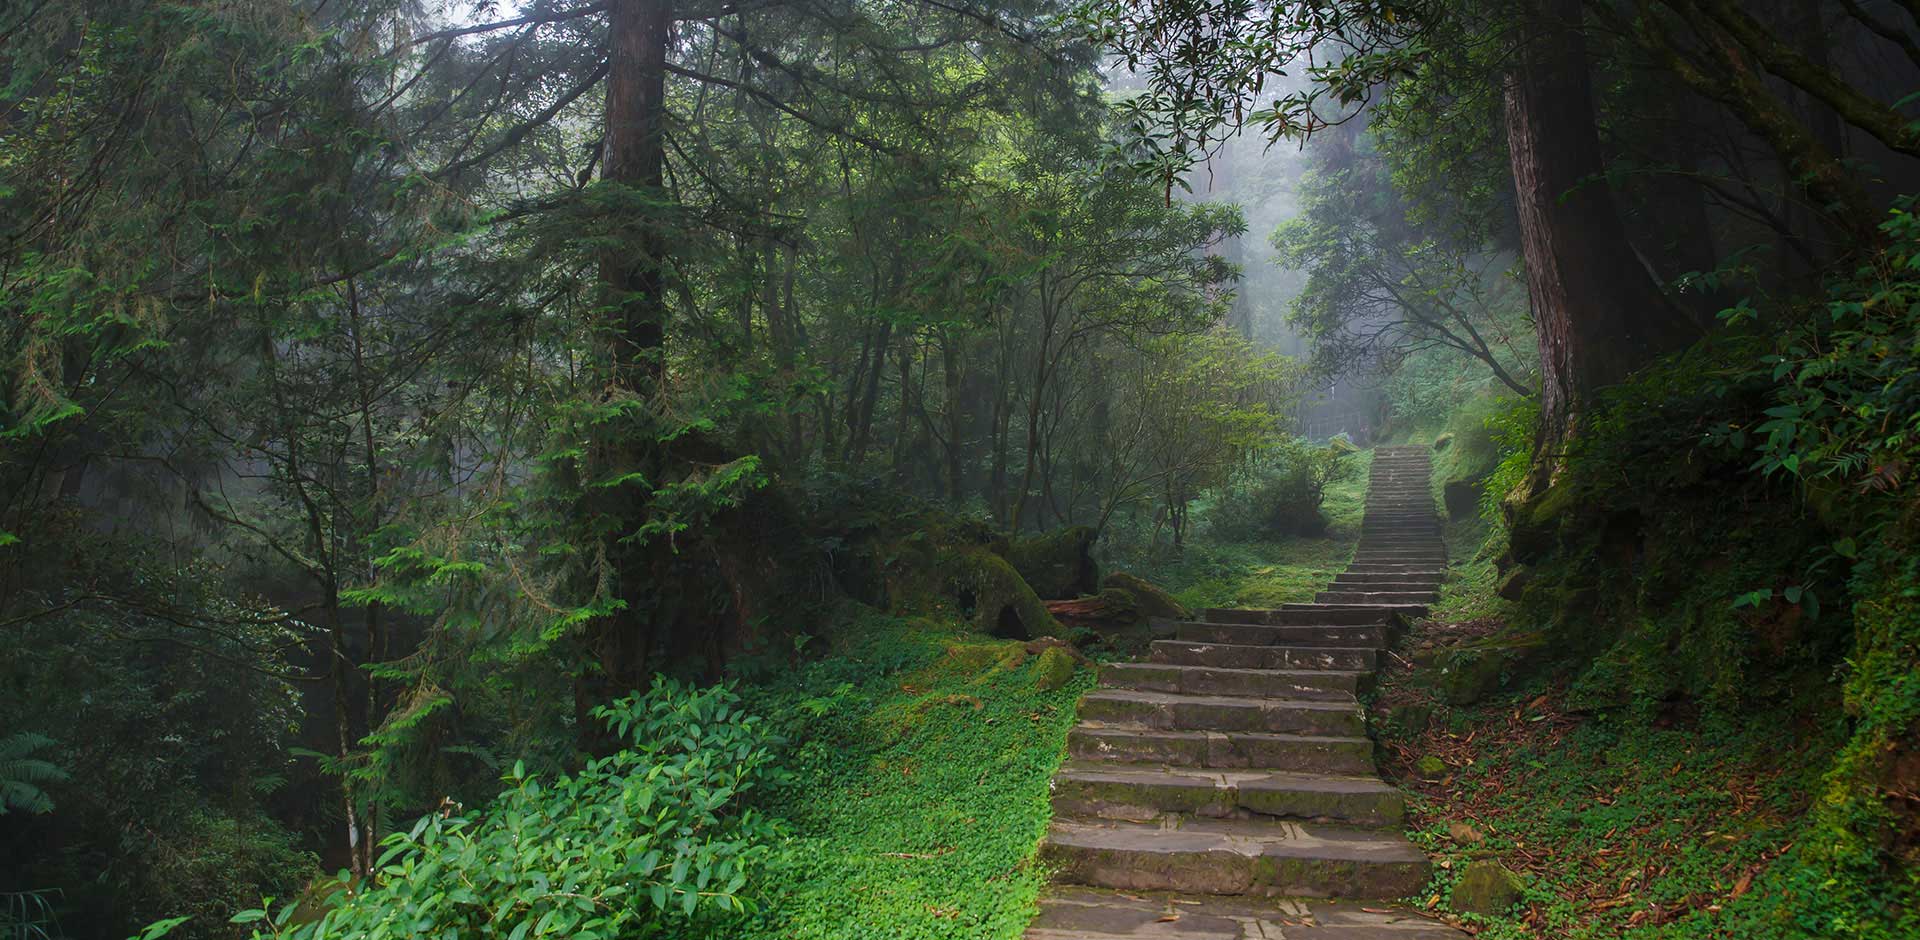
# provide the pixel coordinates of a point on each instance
(919, 764)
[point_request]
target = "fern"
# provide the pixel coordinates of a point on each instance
(22, 774)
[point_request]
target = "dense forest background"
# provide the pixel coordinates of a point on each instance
(434, 429)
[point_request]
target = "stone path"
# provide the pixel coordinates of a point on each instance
(1212, 791)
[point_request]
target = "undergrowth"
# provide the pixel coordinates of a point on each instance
(1619, 826)
(919, 763)
(1271, 573)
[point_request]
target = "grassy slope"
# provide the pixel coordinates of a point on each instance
(920, 764)
(1267, 574)
(1642, 823)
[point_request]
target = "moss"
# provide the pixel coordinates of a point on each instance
(1486, 887)
(1149, 599)
(1058, 565)
(1534, 525)
(1053, 669)
(995, 597)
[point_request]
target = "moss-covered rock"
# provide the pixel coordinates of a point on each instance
(1149, 599)
(1411, 718)
(1430, 767)
(1513, 585)
(1058, 565)
(1534, 525)
(1465, 675)
(994, 596)
(1486, 887)
(1053, 669)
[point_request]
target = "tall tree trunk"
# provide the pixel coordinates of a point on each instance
(633, 331)
(1599, 314)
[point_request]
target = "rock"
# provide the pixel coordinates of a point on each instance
(1467, 674)
(1486, 887)
(1534, 525)
(1053, 669)
(1151, 599)
(1411, 719)
(1514, 584)
(1464, 834)
(1430, 767)
(1058, 565)
(1442, 442)
(998, 600)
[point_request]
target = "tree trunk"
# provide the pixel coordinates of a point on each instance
(632, 278)
(956, 467)
(1599, 314)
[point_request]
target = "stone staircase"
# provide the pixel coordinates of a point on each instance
(1225, 788)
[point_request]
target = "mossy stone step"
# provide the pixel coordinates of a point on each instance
(1298, 752)
(1139, 794)
(1239, 857)
(1430, 586)
(1079, 913)
(1422, 570)
(1417, 597)
(1172, 711)
(1289, 615)
(1367, 635)
(1239, 656)
(1317, 684)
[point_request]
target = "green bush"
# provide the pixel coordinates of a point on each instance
(1283, 497)
(649, 842)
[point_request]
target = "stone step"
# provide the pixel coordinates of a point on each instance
(1351, 576)
(1399, 543)
(1401, 611)
(1071, 912)
(1231, 656)
(1170, 711)
(1238, 857)
(1397, 568)
(1370, 636)
(1142, 793)
(1434, 558)
(1348, 582)
(1285, 615)
(1238, 749)
(1377, 596)
(1329, 685)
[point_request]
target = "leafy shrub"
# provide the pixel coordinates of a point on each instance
(648, 842)
(1513, 427)
(1288, 485)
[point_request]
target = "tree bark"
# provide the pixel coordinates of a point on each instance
(1598, 312)
(633, 332)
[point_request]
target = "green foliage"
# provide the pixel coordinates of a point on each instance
(21, 774)
(1649, 830)
(921, 756)
(1210, 573)
(1281, 494)
(1726, 532)
(652, 840)
(1847, 394)
(1512, 427)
